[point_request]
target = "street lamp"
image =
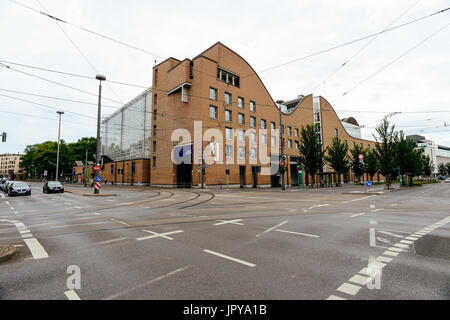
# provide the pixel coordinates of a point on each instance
(57, 154)
(283, 187)
(99, 117)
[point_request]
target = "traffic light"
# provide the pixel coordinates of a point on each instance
(4, 137)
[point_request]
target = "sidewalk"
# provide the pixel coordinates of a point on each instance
(7, 252)
(88, 192)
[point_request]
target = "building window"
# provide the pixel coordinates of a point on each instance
(264, 139)
(154, 162)
(362, 146)
(335, 132)
(156, 78)
(253, 154)
(289, 144)
(273, 141)
(272, 126)
(241, 135)
(154, 130)
(228, 77)
(241, 102)
(289, 131)
(227, 98)
(155, 100)
(252, 122)
(154, 146)
(241, 120)
(213, 112)
(213, 94)
(154, 115)
(253, 137)
(252, 106)
(263, 124)
(296, 132)
(296, 145)
(229, 151)
(368, 146)
(229, 133)
(241, 152)
(227, 115)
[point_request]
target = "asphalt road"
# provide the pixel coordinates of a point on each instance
(223, 244)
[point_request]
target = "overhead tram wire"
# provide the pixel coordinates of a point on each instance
(56, 82)
(253, 73)
(363, 47)
(396, 59)
(78, 49)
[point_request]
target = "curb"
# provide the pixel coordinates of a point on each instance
(7, 252)
(100, 195)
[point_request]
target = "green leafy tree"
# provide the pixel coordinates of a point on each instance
(427, 166)
(337, 157)
(442, 169)
(384, 147)
(78, 149)
(357, 165)
(371, 163)
(407, 157)
(448, 167)
(310, 150)
(27, 160)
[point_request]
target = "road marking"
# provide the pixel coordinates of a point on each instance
(358, 279)
(72, 295)
(391, 234)
(357, 199)
(112, 240)
(394, 204)
(348, 288)
(358, 214)
(230, 258)
(271, 229)
(96, 213)
(12, 208)
(318, 206)
(236, 221)
(396, 249)
(401, 245)
(77, 207)
(412, 238)
(299, 233)
(158, 235)
(15, 212)
(383, 259)
(124, 223)
(396, 231)
(36, 249)
(391, 253)
(332, 297)
(7, 202)
(2, 195)
(406, 241)
(127, 291)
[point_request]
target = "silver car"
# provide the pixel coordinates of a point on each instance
(447, 180)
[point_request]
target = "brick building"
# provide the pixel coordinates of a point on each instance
(10, 166)
(215, 103)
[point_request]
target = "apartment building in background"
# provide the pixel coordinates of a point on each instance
(10, 166)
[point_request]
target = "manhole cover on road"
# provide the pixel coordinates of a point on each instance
(6, 252)
(433, 246)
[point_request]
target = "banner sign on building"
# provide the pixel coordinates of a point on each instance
(182, 154)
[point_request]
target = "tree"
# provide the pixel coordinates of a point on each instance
(406, 157)
(448, 167)
(384, 147)
(371, 163)
(310, 150)
(442, 169)
(427, 166)
(78, 149)
(27, 160)
(357, 165)
(337, 157)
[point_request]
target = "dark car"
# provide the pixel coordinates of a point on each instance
(19, 189)
(53, 186)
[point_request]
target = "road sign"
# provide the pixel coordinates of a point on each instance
(98, 179)
(368, 184)
(45, 173)
(282, 164)
(361, 156)
(97, 185)
(96, 167)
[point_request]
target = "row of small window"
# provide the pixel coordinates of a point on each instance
(228, 77)
(228, 99)
(241, 152)
(263, 139)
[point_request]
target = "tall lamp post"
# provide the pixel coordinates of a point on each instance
(283, 187)
(99, 118)
(57, 153)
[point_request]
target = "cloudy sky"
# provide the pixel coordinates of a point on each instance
(265, 33)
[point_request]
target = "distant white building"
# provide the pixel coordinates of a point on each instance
(352, 127)
(437, 154)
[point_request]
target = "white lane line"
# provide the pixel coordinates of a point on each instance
(12, 208)
(15, 212)
(332, 297)
(357, 199)
(406, 241)
(358, 279)
(158, 235)
(77, 207)
(396, 231)
(96, 213)
(396, 249)
(124, 223)
(358, 214)
(391, 253)
(383, 259)
(348, 288)
(391, 234)
(72, 295)
(7, 202)
(112, 240)
(127, 291)
(394, 204)
(401, 245)
(299, 233)
(236, 221)
(318, 206)
(2, 195)
(36, 249)
(248, 264)
(271, 229)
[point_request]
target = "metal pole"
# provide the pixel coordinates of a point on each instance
(85, 169)
(283, 187)
(57, 153)
(99, 118)
(298, 178)
(303, 177)
(399, 177)
(201, 167)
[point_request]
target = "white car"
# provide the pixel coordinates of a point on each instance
(447, 180)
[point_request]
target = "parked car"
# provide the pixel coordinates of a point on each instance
(19, 189)
(2, 183)
(447, 180)
(53, 186)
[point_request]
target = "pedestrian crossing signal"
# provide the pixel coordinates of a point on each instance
(4, 137)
